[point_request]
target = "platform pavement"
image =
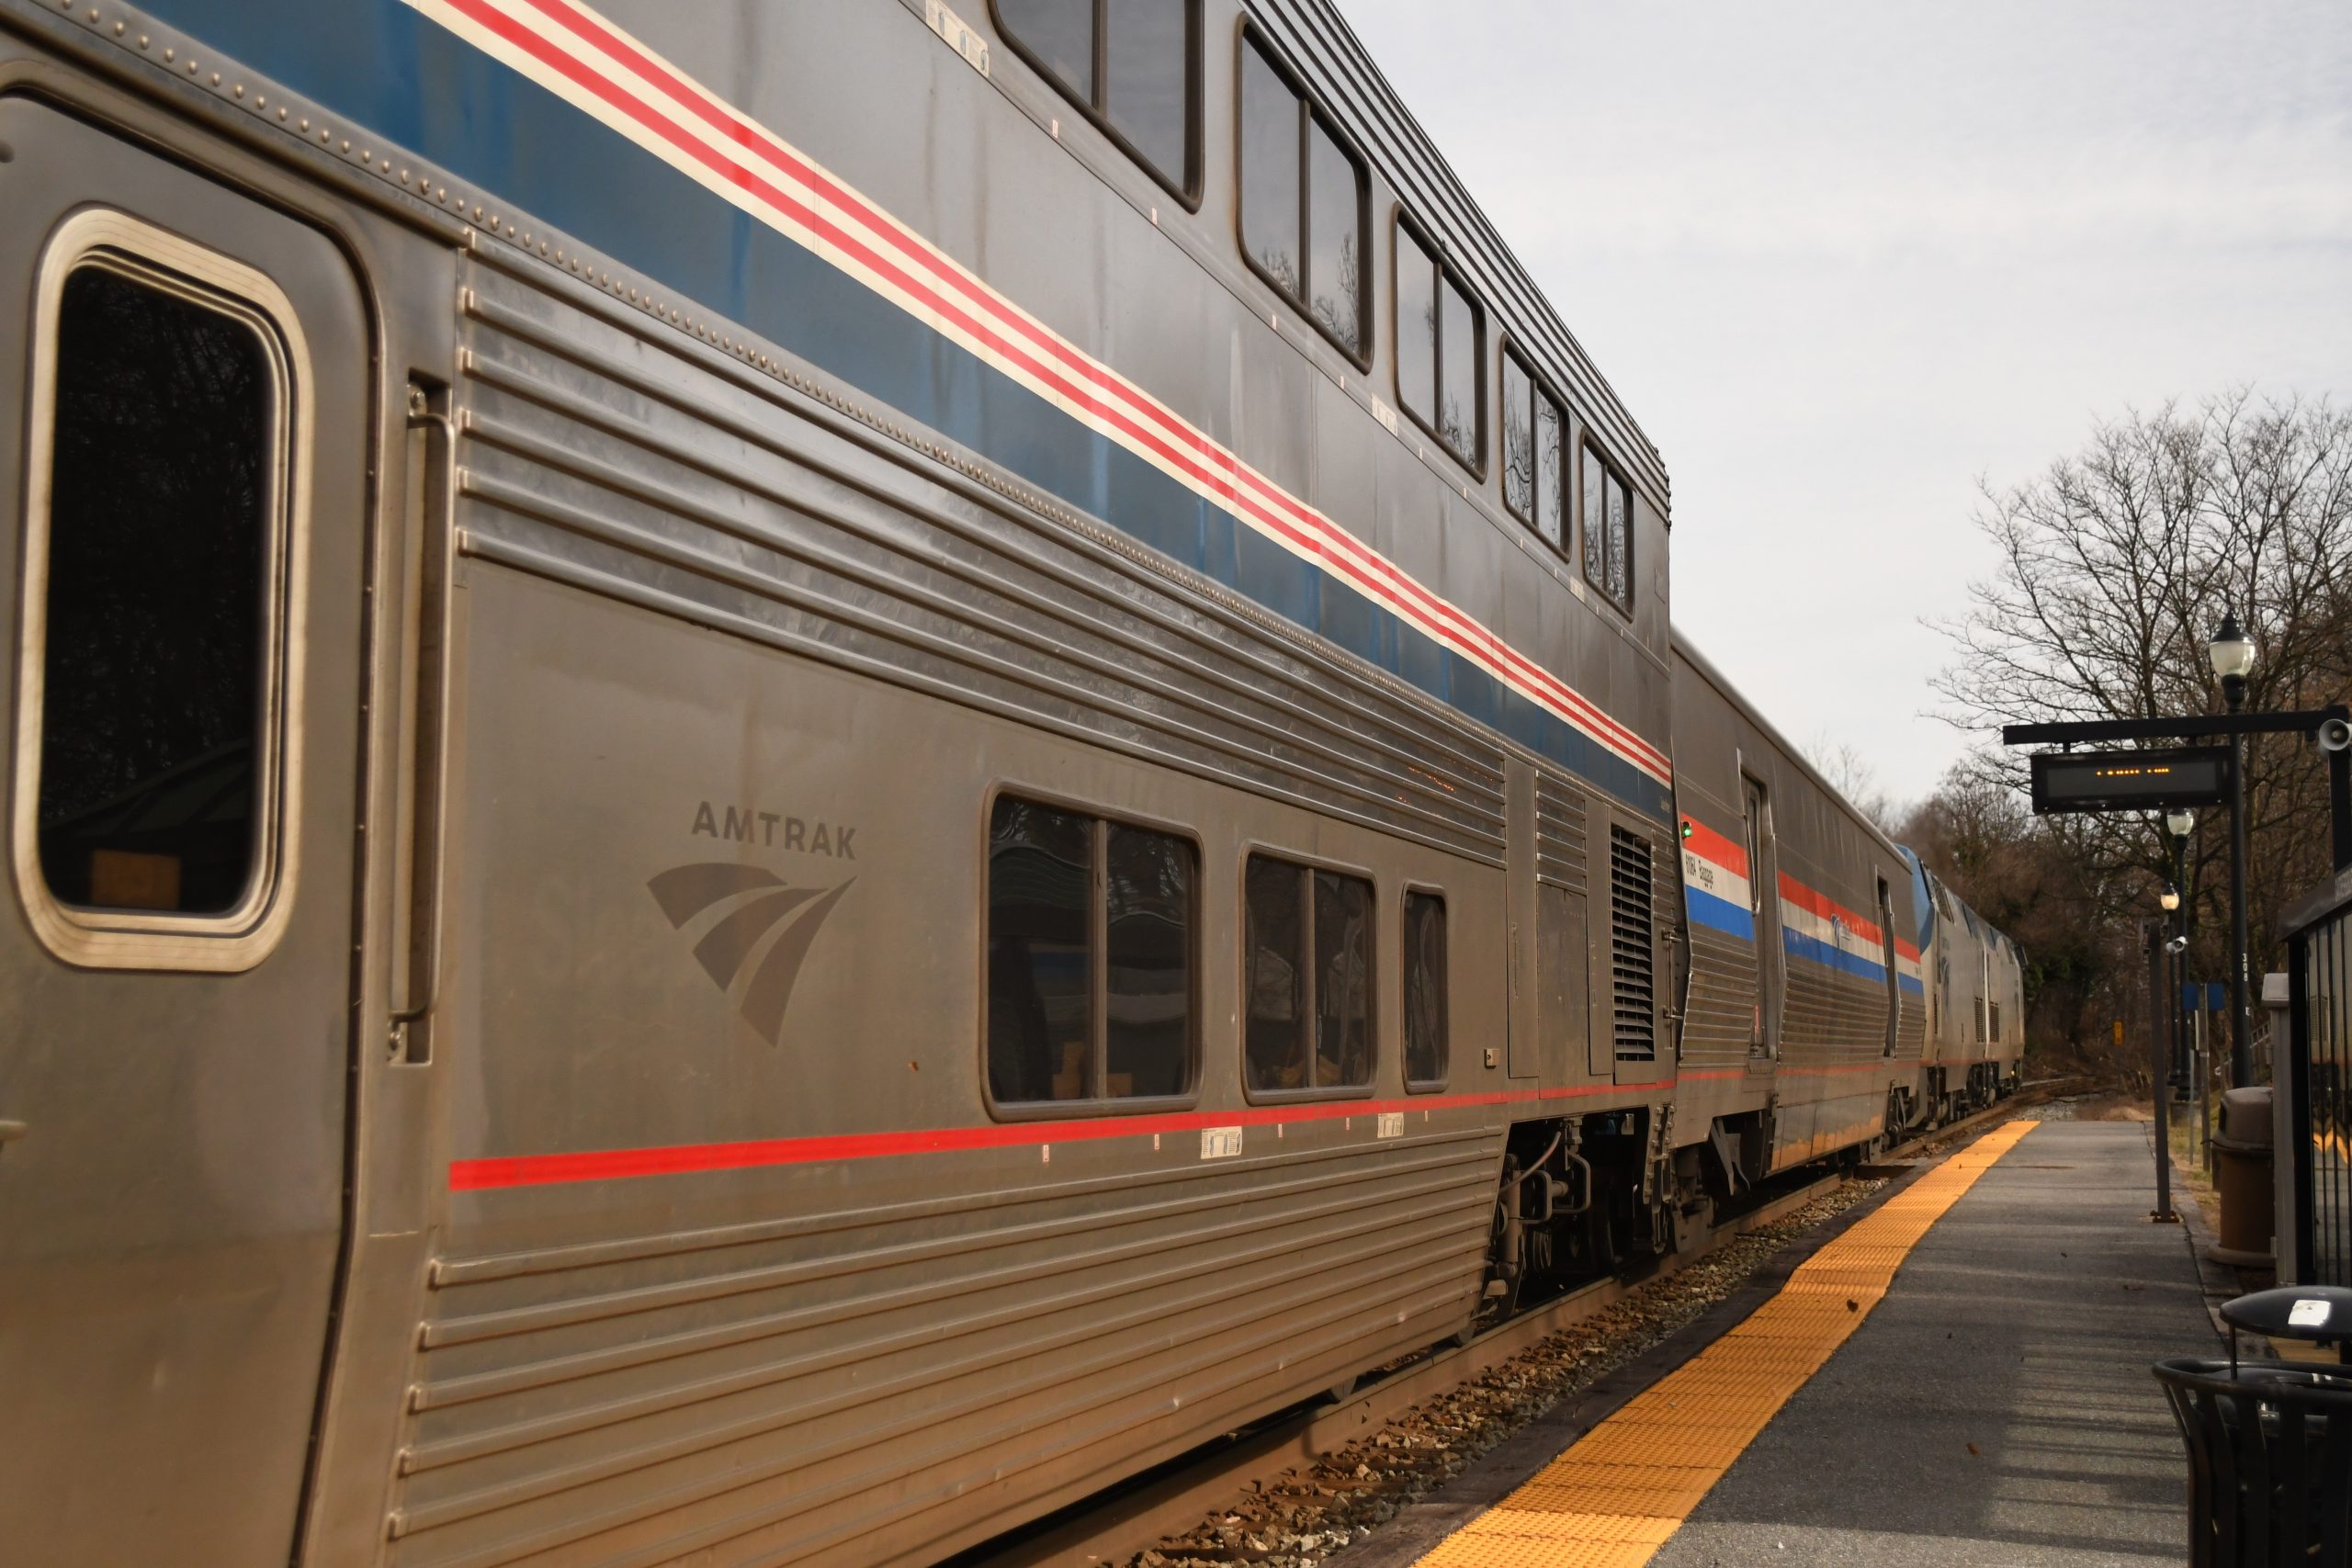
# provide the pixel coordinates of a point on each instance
(1995, 1410)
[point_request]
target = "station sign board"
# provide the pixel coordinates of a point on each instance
(2129, 781)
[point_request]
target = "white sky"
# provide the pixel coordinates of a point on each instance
(1842, 258)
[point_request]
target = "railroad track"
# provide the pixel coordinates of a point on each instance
(1139, 1513)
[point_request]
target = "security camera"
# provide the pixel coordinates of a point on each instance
(2336, 735)
(2177, 944)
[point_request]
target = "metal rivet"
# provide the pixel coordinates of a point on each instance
(306, 122)
(216, 78)
(143, 41)
(93, 13)
(403, 177)
(347, 145)
(191, 67)
(168, 54)
(281, 113)
(323, 135)
(239, 89)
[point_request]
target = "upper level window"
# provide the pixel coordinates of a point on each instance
(1426, 1012)
(1302, 198)
(1607, 530)
(1438, 331)
(1089, 958)
(1306, 977)
(1131, 64)
(1535, 474)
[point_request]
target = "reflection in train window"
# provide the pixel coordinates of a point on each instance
(1534, 477)
(1438, 328)
(1426, 1010)
(1607, 530)
(1089, 958)
(1306, 977)
(1302, 198)
(159, 545)
(1130, 65)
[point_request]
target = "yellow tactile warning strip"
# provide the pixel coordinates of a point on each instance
(1612, 1499)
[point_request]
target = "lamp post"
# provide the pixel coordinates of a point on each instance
(2179, 822)
(2232, 652)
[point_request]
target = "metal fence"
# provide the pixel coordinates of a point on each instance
(2319, 1010)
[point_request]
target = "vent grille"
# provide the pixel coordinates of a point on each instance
(1632, 947)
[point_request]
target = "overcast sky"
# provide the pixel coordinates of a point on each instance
(1844, 258)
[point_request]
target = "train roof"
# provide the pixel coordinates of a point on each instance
(1706, 669)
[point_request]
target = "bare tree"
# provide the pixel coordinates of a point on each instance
(1850, 773)
(2116, 566)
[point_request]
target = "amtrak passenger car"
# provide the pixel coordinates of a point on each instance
(785, 779)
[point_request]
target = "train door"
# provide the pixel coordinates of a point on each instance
(187, 497)
(1886, 958)
(1764, 907)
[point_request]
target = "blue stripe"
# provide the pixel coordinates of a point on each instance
(1822, 953)
(1711, 909)
(1910, 985)
(381, 64)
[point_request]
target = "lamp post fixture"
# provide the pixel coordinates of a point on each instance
(2179, 822)
(2232, 652)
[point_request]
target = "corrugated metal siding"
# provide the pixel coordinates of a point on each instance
(1560, 846)
(848, 1370)
(1722, 1017)
(596, 456)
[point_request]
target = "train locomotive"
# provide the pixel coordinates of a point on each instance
(787, 780)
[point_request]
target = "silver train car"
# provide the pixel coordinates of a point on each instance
(786, 779)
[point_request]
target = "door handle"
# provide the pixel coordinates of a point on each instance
(11, 1131)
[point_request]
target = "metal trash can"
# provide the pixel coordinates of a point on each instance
(2242, 1178)
(2269, 1443)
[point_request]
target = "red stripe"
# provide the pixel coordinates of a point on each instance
(1322, 537)
(491, 1172)
(1904, 950)
(1708, 845)
(1828, 908)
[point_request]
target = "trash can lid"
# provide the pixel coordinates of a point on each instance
(2320, 1313)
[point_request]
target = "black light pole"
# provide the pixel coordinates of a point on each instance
(2232, 652)
(2178, 823)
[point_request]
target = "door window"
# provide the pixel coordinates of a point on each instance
(155, 670)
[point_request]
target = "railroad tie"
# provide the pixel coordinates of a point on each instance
(1615, 1495)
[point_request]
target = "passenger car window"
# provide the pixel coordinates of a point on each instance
(160, 558)
(1427, 1013)
(1607, 530)
(1303, 197)
(1130, 66)
(1306, 977)
(1533, 431)
(1089, 958)
(1438, 331)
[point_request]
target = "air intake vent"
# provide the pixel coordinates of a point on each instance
(1632, 946)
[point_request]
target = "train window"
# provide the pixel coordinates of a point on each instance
(1089, 958)
(1438, 331)
(1306, 977)
(1426, 1008)
(1533, 474)
(154, 578)
(1303, 195)
(1607, 530)
(1131, 65)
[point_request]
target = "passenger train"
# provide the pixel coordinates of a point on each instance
(786, 779)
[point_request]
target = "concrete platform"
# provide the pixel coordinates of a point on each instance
(1996, 1408)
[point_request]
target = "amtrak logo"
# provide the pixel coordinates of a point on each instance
(754, 948)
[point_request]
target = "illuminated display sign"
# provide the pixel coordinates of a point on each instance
(2129, 781)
